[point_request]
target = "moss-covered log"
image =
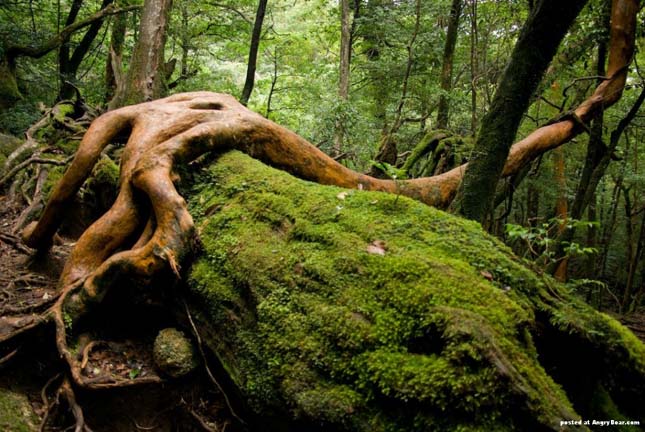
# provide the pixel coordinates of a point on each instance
(359, 310)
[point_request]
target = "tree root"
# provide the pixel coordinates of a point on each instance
(65, 390)
(208, 371)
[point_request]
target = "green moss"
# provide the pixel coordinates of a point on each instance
(62, 110)
(9, 92)
(174, 353)
(53, 177)
(105, 172)
(300, 308)
(16, 414)
(67, 145)
(8, 144)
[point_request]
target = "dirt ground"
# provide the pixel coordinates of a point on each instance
(30, 364)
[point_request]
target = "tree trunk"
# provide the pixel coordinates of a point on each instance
(63, 50)
(532, 204)
(343, 75)
(446, 68)
(561, 209)
(540, 37)
(68, 66)
(473, 66)
(608, 228)
(113, 64)
(634, 264)
(253, 52)
(146, 78)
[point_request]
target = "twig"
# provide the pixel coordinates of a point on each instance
(202, 422)
(208, 371)
(8, 357)
(86, 352)
(46, 405)
(15, 242)
(77, 411)
(32, 160)
(587, 78)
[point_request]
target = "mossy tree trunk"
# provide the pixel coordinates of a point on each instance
(547, 24)
(446, 67)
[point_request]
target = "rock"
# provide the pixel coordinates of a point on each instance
(8, 143)
(16, 413)
(174, 353)
(446, 331)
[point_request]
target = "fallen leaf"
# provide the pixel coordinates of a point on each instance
(377, 247)
(486, 275)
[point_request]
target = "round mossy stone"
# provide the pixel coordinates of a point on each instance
(174, 353)
(16, 413)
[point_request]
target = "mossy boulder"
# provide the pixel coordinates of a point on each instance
(173, 353)
(8, 143)
(355, 310)
(16, 413)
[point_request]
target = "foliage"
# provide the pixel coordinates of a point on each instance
(541, 242)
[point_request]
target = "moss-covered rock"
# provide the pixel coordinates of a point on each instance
(173, 353)
(8, 144)
(16, 413)
(366, 311)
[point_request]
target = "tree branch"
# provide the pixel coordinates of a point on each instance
(16, 51)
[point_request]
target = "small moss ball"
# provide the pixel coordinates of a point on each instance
(174, 353)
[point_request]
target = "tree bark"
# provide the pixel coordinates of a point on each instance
(343, 74)
(113, 64)
(608, 228)
(253, 52)
(540, 37)
(446, 68)
(146, 78)
(561, 209)
(68, 66)
(473, 66)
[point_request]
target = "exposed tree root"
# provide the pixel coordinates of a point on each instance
(208, 371)
(65, 390)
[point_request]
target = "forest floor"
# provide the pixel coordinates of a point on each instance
(31, 365)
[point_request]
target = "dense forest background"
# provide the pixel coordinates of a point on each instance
(394, 73)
